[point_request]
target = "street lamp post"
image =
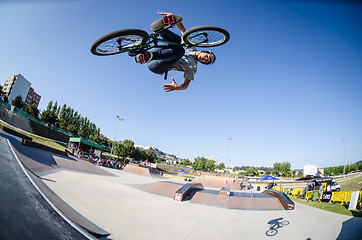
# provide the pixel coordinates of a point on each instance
(344, 157)
(228, 157)
(120, 119)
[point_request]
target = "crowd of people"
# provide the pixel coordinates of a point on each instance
(90, 156)
(106, 163)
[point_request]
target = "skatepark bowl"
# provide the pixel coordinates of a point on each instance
(45, 195)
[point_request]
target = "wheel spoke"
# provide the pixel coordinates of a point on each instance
(115, 45)
(206, 37)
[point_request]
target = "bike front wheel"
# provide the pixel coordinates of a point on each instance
(206, 36)
(271, 232)
(284, 223)
(120, 41)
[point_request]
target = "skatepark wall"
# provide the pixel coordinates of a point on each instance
(139, 170)
(219, 182)
(15, 117)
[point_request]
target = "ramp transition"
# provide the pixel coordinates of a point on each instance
(25, 212)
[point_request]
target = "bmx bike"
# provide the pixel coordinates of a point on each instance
(137, 41)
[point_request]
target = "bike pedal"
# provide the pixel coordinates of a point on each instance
(169, 19)
(165, 23)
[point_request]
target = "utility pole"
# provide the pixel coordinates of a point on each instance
(344, 161)
(228, 157)
(120, 119)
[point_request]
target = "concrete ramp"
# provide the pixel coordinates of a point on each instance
(219, 182)
(194, 192)
(25, 211)
(144, 171)
(185, 190)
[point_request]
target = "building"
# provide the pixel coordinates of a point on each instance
(213, 158)
(32, 98)
(16, 85)
(310, 169)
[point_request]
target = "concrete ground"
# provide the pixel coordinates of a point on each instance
(129, 213)
(104, 197)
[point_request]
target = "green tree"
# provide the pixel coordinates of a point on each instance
(18, 102)
(277, 170)
(72, 129)
(210, 165)
(49, 107)
(252, 172)
(150, 155)
(199, 163)
(221, 166)
(32, 110)
(138, 154)
(118, 150)
(128, 147)
(282, 169)
(124, 149)
(186, 162)
(55, 109)
(48, 116)
(1, 91)
(286, 169)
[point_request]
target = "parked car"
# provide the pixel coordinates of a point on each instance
(335, 186)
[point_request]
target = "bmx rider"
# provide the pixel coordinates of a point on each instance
(173, 57)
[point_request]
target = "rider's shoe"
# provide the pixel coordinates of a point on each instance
(165, 23)
(143, 57)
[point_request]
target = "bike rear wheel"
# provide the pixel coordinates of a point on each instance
(120, 41)
(206, 36)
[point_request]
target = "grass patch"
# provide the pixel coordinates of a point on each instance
(331, 207)
(49, 143)
(354, 184)
(36, 138)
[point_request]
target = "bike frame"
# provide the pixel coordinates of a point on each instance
(154, 42)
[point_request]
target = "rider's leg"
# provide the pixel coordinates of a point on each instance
(164, 58)
(170, 36)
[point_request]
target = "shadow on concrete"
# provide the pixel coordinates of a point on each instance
(351, 229)
(275, 225)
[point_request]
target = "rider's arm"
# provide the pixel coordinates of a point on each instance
(181, 27)
(174, 86)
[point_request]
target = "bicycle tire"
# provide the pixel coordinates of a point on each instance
(119, 41)
(284, 223)
(271, 232)
(206, 36)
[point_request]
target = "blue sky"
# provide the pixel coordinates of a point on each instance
(286, 87)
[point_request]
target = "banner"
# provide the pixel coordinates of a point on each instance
(354, 199)
(326, 196)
